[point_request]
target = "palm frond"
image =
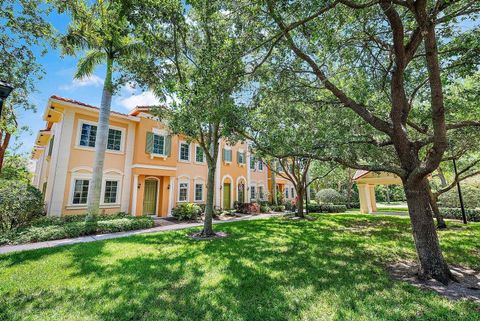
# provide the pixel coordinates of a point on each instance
(132, 49)
(86, 65)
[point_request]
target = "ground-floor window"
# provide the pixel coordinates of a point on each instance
(286, 192)
(80, 191)
(292, 192)
(111, 190)
(260, 192)
(198, 192)
(252, 192)
(183, 192)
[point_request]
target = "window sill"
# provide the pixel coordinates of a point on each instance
(183, 161)
(92, 149)
(84, 206)
(152, 156)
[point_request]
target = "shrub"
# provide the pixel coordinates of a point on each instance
(290, 205)
(330, 196)
(471, 197)
(473, 215)
(327, 208)
(20, 203)
(247, 208)
(264, 208)
(187, 211)
(353, 205)
(278, 208)
(60, 229)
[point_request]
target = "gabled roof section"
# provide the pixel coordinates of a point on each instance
(360, 173)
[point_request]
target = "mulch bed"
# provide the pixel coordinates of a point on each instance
(467, 287)
(197, 236)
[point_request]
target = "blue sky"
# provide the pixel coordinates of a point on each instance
(58, 80)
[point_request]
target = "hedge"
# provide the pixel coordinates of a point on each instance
(247, 208)
(473, 215)
(187, 211)
(327, 208)
(54, 229)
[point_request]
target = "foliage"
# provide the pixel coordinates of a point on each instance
(470, 194)
(473, 215)
(20, 203)
(329, 195)
(290, 205)
(264, 208)
(47, 229)
(327, 208)
(251, 268)
(187, 211)
(278, 208)
(392, 193)
(15, 167)
(247, 208)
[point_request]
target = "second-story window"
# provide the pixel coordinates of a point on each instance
(114, 139)
(252, 163)
(184, 151)
(88, 135)
(199, 155)
(241, 157)
(227, 155)
(158, 144)
(260, 165)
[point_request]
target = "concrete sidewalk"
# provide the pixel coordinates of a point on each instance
(169, 226)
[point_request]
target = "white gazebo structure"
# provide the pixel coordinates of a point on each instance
(366, 182)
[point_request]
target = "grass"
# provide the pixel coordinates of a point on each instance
(391, 209)
(274, 269)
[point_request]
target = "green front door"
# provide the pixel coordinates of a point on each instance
(226, 196)
(150, 197)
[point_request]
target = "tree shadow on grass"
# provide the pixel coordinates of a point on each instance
(265, 270)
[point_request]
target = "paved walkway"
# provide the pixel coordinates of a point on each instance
(166, 226)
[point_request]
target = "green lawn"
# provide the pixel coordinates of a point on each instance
(274, 269)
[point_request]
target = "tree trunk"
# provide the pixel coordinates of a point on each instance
(388, 194)
(300, 196)
(436, 211)
(3, 148)
(95, 187)
(207, 223)
(432, 263)
(274, 184)
(443, 180)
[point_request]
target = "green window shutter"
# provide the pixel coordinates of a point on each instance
(229, 155)
(224, 157)
(50, 147)
(168, 145)
(149, 143)
(238, 157)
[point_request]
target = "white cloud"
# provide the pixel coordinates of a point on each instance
(146, 98)
(92, 80)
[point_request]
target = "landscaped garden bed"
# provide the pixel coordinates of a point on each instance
(46, 229)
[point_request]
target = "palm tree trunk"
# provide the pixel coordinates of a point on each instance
(95, 188)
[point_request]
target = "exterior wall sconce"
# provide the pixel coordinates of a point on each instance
(168, 186)
(139, 185)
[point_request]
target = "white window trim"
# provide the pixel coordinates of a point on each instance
(183, 181)
(198, 182)
(204, 156)
(88, 122)
(258, 167)
(258, 189)
(164, 135)
(88, 176)
(189, 151)
(254, 186)
(231, 154)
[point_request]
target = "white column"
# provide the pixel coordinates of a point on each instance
(127, 172)
(171, 195)
(134, 196)
(59, 164)
(248, 176)
(369, 198)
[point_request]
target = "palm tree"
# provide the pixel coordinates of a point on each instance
(101, 33)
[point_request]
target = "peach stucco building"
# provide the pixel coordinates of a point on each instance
(147, 170)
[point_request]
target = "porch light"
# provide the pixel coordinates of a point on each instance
(5, 90)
